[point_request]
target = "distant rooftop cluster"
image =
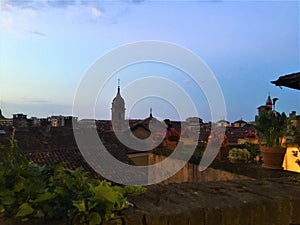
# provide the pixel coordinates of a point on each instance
(51, 140)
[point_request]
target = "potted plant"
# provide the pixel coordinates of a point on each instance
(254, 150)
(238, 155)
(272, 126)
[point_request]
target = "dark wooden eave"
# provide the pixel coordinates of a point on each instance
(290, 81)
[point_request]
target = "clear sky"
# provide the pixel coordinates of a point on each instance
(47, 46)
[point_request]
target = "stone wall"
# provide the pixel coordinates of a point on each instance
(264, 197)
(252, 202)
(274, 201)
(224, 194)
(190, 173)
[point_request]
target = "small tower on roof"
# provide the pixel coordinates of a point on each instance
(269, 103)
(118, 111)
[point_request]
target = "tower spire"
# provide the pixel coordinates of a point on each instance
(118, 111)
(119, 85)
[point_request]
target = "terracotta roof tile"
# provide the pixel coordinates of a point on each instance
(59, 146)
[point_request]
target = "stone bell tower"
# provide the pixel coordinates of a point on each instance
(118, 112)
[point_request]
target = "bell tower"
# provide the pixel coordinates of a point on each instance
(269, 104)
(118, 111)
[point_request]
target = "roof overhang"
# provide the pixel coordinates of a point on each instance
(290, 81)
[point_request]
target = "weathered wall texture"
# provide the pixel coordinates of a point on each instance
(190, 173)
(250, 202)
(269, 197)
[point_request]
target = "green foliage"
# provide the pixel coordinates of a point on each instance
(30, 191)
(272, 126)
(254, 151)
(239, 154)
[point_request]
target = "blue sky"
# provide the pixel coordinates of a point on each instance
(47, 46)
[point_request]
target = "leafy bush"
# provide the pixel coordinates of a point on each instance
(239, 154)
(272, 126)
(29, 190)
(254, 152)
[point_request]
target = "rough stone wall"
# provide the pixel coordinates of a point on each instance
(190, 173)
(273, 201)
(249, 202)
(269, 197)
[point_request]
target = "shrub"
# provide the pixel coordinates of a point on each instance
(31, 191)
(254, 151)
(239, 154)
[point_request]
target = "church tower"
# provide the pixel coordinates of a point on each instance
(269, 104)
(118, 112)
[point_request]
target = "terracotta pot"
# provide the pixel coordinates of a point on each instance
(272, 157)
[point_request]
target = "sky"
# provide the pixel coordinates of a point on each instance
(47, 47)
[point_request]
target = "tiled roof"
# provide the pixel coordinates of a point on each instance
(114, 146)
(240, 121)
(145, 123)
(223, 121)
(70, 158)
(59, 146)
(234, 133)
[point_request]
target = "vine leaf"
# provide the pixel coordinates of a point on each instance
(94, 218)
(80, 205)
(24, 210)
(107, 193)
(44, 197)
